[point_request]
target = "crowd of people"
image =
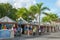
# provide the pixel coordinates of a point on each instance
(21, 30)
(32, 30)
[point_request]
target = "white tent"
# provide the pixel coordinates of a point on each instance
(22, 21)
(6, 19)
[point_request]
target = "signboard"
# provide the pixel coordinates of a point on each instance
(5, 34)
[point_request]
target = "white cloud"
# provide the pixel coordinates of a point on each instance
(23, 3)
(58, 3)
(19, 3)
(3, 1)
(51, 10)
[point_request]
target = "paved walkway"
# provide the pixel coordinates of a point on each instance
(52, 36)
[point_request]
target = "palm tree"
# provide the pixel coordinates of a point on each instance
(25, 13)
(38, 8)
(33, 9)
(22, 12)
(49, 17)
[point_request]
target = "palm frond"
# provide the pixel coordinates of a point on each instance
(45, 8)
(33, 9)
(45, 13)
(39, 4)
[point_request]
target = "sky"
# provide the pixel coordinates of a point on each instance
(54, 5)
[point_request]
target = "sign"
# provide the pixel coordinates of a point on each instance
(5, 33)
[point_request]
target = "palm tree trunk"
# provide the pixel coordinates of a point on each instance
(39, 25)
(39, 20)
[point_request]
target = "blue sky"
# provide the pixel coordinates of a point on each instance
(54, 5)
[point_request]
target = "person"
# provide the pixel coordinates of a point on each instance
(14, 29)
(30, 30)
(34, 30)
(25, 29)
(21, 31)
(39, 31)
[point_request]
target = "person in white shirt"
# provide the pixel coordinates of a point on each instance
(39, 31)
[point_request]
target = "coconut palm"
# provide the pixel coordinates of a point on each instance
(25, 13)
(33, 9)
(38, 8)
(49, 17)
(22, 12)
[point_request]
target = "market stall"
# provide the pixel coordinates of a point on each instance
(6, 27)
(22, 24)
(27, 28)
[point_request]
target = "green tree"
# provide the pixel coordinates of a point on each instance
(12, 14)
(33, 9)
(4, 9)
(24, 13)
(38, 8)
(7, 10)
(50, 17)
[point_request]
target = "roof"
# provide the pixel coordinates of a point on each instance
(6, 19)
(22, 21)
(58, 20)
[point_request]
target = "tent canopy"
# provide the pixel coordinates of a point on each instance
(22, 21)
(6, 20)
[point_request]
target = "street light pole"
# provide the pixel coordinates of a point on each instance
(39, 29)
(39, 20)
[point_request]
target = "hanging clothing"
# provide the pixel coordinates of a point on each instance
(34, 30)
(25, 28)
(21, 30)
(30, 28)
(0, 26)
(14, 29)
(4, 27)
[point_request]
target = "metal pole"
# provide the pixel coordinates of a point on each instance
(39, 20)
(39, 24)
